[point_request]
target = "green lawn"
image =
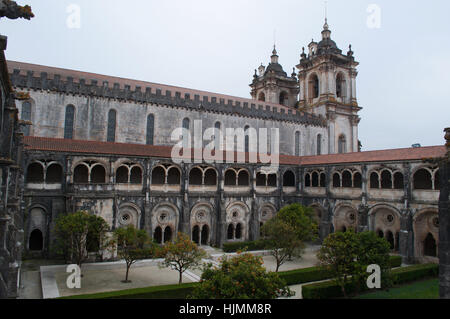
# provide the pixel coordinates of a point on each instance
(428, 289)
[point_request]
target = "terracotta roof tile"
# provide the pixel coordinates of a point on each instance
(139, 150)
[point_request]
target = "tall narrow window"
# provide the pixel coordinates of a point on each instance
(342, 144)
(247, 139)
(26, 116)
(187, 135)
(297, 143)
(217, 136)
(313, 87)
(340, 85)
(319, 144)
(111, 126)
(150, 129)
(68, 125)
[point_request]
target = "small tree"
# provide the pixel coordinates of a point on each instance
(71, 234)
(183, 254)
(302, 219)
(339, 254)
(131, 246)
(347, 255)
(240, 277)
(282, 240)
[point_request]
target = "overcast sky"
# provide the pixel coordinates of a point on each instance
(404, 71)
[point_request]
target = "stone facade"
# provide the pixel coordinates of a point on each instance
(444, 223)
(11, 179)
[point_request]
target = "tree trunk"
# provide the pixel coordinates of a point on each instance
(181, 278)
(126, 276)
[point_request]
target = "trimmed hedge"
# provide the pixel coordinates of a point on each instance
(300, 276)
(157, 292)
(250, 245)
(329, 289)
(395, 261)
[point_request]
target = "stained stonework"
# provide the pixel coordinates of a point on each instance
(444, 223)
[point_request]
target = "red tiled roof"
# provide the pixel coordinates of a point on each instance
(140, 150)
(77, 75)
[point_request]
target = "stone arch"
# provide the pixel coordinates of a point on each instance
(423, 179)
(238, 213)
(230, 177)
(266, 212)
(347, 179)
(340, 85)
(289, 178)
(129, 214)
(35, 173)
(54, 173)
(210, 176)
(374, 180)
(314, 86)
(159, 175)
(201, 216)
(345, 216)
(165, 215)
(173, 175)
(386, 179)
(386, 219)
(261, 97)
(426, 227)
(36, 240)
(196, 176)
(37, 220)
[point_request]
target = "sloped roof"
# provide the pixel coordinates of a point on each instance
(140, 150)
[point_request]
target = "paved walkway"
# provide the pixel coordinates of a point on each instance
(39, 280)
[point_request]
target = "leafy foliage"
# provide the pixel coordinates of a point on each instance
(74, 231)
(240, 277)
(285, 233)
(183, 254)
(131, 244)
(347, 254)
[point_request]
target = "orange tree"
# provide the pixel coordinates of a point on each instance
(240, 277)
(181, 255)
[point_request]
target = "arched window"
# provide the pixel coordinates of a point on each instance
(69, 121)
(342, 145)
(35, 173)
(210, 177)
(243, 179)
(54, 174)
(238, 234)
(122, 175)
(260, 179)
(81, 174)
(289, 179)
(319, 144)
(314, 86)
(307, 180)
(195, 176)
(158, 176)
(150, 129)
(323, 180)
(346, 179)
(230, 178)
(173, 176)
(230, 232)
(357, 180)
(157, 235)
(205, 235)
(297, 143)
(111, 133)
(196, 234)
(247, 139)
(136, 175)
(386, 180)
(272, 180)
(283, 98)
(167, 234)
(340, 85)
(430, 246)
(422, 179)
(262, 97)
(374, 180)
(315, 179)
(390, 239)
(26, 116)
(398, 180)
(98, 175)
(336, 180)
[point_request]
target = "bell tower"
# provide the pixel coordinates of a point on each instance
(272, 84)
(327, 81)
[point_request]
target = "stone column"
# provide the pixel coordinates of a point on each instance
(444, 223)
